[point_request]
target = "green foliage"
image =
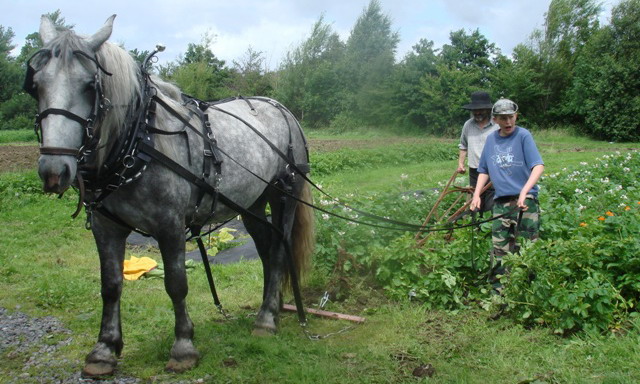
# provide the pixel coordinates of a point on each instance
(604, 70)
(309, 81)
(584, 272)
(248, 76)
(323, 164)
(18, 136)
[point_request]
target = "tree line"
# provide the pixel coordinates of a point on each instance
(573, 72)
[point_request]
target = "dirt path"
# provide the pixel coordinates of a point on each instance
(18, 157)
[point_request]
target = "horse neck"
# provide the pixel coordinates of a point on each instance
(123, 89)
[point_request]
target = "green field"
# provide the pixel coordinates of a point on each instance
(49, 267)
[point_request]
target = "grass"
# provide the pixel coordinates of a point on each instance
(18, 136)
(49, 266)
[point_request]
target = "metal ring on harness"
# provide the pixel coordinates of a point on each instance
(105, 104)
(128, 161)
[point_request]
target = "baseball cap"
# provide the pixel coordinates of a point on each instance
(504, 107)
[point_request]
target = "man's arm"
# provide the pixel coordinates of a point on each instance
(461, 157)
(536, 172)
(475, 201)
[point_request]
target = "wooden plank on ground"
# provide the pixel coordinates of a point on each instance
(321, 313)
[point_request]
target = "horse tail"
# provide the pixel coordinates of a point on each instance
(303, 233)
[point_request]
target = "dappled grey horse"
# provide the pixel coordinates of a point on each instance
(146, 157)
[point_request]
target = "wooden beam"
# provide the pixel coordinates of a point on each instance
(321, 313)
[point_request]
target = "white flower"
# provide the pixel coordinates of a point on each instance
(605, 180)
(341, 233)
(405, 197)
(589, 198)
(579, 191)
(581, 207)
(584, 163)
(624, 197)
(404, 176)
(325, 216)
(626, 169)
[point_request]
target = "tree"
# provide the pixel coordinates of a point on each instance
(368, 65)
(199, 72)
(33, 41)
(408, 100)
(249, 77)
(16, 107)
(470, 53)
(552, 54)
(606, 87)
(309, 81)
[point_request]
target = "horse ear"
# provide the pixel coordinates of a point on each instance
(102, 35)
(48, 30)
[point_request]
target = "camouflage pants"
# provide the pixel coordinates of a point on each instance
(506, 228)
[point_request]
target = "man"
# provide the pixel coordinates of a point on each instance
(511, 158)
(474, 134)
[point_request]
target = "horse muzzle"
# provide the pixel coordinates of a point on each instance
(57, 172)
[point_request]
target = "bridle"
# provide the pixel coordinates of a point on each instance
(89, 142)
(100, 106)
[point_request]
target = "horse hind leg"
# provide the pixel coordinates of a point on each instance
(184, 355)
(110, 240)
(261, 233)
(285, 218)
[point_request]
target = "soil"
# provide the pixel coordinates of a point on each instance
(18, 157)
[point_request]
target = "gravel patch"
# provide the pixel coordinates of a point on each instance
(30, 340)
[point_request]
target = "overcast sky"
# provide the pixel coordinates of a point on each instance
(273, 27)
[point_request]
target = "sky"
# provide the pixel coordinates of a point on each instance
(275, 27)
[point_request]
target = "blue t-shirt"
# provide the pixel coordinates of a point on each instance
(509, 160)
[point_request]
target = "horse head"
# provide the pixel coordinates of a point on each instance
(65, 78)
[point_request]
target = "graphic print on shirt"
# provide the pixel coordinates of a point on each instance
(504, 158)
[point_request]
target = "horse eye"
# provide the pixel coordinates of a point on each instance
(91, 85)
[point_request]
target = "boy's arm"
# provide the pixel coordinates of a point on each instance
(536, 172)
(475, 201)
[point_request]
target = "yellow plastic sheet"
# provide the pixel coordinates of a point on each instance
(138, 266)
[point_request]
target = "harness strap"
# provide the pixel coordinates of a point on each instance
(187, 175)
(195, 231)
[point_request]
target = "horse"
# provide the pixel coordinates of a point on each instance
(145, 157)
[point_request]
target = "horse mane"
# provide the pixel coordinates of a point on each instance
(124, 89)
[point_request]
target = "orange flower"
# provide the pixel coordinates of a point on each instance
(601, 218)
(609, 213)
(627, 208)
(583, 224)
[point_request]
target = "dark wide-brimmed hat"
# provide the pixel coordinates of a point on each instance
(479, 100)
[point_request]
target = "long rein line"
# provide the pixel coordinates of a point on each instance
(398, 225)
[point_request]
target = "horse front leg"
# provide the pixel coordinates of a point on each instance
(110, 240)
(183, 355)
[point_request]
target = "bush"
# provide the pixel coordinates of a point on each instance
(582, 274)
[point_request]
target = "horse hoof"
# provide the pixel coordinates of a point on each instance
(176, 366)
(263, 331)
(99, 369)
